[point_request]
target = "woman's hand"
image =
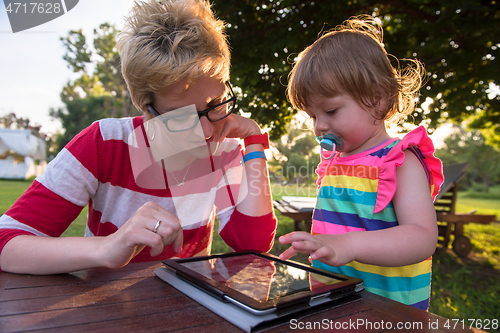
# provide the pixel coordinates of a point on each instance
(236, 126)
(138, 232)
(29, 254)
(333, 250)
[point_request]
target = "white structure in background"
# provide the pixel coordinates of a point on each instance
(23, 143)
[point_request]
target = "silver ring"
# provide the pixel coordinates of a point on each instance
(157, 226)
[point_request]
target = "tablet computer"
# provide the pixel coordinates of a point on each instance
(262, 283)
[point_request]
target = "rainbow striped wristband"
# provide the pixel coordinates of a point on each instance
(252, 155)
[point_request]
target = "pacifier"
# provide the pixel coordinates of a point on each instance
(331, 143)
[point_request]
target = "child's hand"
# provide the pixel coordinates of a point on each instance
(333, 250)
(298, 240)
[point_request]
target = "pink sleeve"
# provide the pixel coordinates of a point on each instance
(433, 167)
(243, 232)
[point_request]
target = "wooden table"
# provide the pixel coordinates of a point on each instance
(132, 299)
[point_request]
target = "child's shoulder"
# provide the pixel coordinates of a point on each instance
(417, 141)
(415, 144)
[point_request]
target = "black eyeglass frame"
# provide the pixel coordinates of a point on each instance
(207, 110)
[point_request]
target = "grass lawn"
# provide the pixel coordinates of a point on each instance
(10, 190)
(467, 288)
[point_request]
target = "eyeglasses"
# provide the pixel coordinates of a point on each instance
(186, 121)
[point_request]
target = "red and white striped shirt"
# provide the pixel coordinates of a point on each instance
(97, 168)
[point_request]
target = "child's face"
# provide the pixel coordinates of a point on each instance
(357, 127)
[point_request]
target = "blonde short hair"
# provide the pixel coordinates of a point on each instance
(169, 40)
(351, 59)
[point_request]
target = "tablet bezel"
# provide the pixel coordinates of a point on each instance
(346, 286)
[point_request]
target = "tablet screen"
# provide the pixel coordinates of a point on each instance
(259, 278)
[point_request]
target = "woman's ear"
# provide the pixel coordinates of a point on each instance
(146, 113)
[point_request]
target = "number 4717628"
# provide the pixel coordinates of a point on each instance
(36, 7)
(482, 324)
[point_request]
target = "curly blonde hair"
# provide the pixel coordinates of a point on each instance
(169, 40)
(351, 59)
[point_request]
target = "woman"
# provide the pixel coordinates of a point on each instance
(156, 181)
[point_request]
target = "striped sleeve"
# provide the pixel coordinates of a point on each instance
(57, 197)
(243, 232)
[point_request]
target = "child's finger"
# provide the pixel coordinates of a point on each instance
(306, 246)
(290, 252)
(322, 253)
(294, 236)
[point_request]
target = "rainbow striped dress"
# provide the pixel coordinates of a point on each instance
(355, 194)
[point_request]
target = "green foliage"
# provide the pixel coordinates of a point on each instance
(92, 96)
(488, 198)
(106, 79)
(484, 161)
(482, 234)
(77, 228)
(218, 244)
(10, 190)
(458, 41)
(11, 120)
(469, 287)
(296, 159)
(482, 203)
(78, 54)
(78, 114)
(294, 190)
(464, 288)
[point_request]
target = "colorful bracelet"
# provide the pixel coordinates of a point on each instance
(252, 155)
(262, 138)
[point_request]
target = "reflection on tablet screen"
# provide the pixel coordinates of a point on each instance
(260, 278)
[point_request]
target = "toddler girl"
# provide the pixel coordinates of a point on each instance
(374, 217)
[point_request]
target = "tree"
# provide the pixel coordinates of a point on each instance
(11, 120)
(296, 159)
(106, 79)
(78, 114)
(463, 146)
(92, 96)
(457, 40)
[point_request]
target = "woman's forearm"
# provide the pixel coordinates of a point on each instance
(258, 200)
(26, 254)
